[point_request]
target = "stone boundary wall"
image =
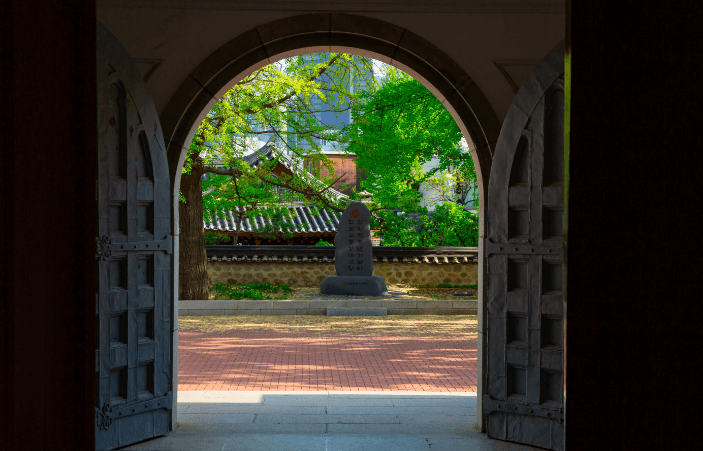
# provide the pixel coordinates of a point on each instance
(311, 273)
(298, 253)
(395, 307)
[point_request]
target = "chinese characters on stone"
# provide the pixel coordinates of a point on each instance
(354, 250)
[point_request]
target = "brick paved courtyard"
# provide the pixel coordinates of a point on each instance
(419, 353)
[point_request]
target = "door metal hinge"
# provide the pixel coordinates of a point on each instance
(109, 412)
(105, 246)
(103, 419)
(495, 405)
(523, 249)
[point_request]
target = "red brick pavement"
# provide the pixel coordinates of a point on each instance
(263, 359)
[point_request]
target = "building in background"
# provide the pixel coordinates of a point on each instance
(447, 188)
(343, 162)
(348, 176)
(303, 225)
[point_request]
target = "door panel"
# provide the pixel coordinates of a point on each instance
(133, 257)
(525, 252)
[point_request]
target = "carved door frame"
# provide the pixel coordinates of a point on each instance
(522, 368)
(133, 396)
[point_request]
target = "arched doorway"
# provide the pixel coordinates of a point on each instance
(310, 33)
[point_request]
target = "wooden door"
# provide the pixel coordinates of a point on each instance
(133, 257)
(524, 400)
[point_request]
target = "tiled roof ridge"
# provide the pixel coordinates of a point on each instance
(271, 152)
(302, 219)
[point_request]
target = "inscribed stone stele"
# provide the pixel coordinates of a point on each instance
(352, 244)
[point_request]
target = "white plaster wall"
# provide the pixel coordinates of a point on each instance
(182, 33)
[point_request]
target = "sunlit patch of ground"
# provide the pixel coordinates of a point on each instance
(433, 353)
(306, 326)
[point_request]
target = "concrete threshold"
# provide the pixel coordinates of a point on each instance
(322, 306)
(326, 421)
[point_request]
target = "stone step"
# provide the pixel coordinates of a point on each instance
(319, 307)
(357, 311)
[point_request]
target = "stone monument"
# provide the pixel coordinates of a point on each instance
(353, 259)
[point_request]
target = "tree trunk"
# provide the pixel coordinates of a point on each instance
(239, 224)
(192, 271)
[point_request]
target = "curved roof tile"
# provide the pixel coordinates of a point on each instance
(269, 152)
(301, 218)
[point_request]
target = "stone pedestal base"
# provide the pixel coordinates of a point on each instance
(354, 285)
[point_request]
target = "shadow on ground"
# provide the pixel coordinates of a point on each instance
(326, 421)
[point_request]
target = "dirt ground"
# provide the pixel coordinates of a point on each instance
(306, 326)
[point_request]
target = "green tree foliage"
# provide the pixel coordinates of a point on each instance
(280, 100)
(283, 99)
(217, 238)
(245, 196)
(461, 186)
(448, 225)
(396, 130)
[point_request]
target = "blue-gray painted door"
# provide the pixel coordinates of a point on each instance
(133, 398)
(524, 398)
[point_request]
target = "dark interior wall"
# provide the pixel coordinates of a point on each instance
(47, 216)
(634, 272)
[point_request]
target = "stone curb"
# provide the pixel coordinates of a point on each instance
(357, 311)
(319, 307)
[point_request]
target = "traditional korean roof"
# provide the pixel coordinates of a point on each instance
(302, 219)
(269, 152)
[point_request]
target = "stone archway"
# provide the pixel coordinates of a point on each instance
(331, 32)
(324, 33)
